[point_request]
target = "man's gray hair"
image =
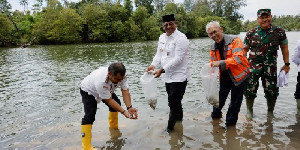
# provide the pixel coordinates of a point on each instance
(213, 23)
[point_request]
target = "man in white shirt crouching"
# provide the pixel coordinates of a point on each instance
(100, 86)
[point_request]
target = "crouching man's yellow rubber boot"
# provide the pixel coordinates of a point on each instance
(86, 137)
(113, 120)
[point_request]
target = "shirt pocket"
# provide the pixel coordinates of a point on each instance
(275, 43)
(171, 49)
(161, 46)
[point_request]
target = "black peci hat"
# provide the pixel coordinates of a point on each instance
(168, 18)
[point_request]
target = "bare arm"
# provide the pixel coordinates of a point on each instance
(117, 107)
(127, 101)
(285, 55)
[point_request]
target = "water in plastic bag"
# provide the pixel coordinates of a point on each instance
(149, 87)
(209, 77)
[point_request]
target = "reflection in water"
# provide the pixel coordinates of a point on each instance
(226, 137)
(176, 136)
(41, 108)
(260, 136)
(116, 142)
(294, 135)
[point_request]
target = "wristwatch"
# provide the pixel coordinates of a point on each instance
(129, 107)
(287, 64)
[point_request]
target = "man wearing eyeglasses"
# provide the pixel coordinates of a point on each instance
(173, 57)
(227, 54)
(263, 43)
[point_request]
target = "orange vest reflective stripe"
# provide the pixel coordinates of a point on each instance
(235, 62)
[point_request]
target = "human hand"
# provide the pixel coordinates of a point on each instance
(157, 73)
(127, 114)
(285, 68)
(151, 67)
(215, 64)
(133, 113)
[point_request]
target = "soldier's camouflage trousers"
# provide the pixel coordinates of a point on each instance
(269, 81)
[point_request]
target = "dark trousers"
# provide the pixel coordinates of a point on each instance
(297, 92)
(175, 92)
(226, 85)
(90, 107)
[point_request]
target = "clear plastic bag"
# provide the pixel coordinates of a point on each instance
(149, 87)
(209, 77)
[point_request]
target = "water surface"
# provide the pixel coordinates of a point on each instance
(40, 103)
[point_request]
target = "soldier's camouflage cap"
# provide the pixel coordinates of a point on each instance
(263, 11)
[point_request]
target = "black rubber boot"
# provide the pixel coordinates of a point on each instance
(180, 116)
(271, 105)
(172, 121)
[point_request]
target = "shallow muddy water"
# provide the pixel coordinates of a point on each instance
(40, 103)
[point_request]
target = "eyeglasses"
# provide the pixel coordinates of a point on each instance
(169, 24)
(212, 33)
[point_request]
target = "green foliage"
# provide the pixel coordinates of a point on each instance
(227, 8)
(98, 23)
(128, 6)
(202, 9)
(66, 28)
(159, 5)
(140, 15)
(151, 28)
(118, 31)
(57, 25)
(116, 21)
(5, 30)
(188, 4)
(170, 8)
(117, 12)
(145, 3)
(133, 31)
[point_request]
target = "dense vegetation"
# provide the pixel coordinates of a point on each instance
(64, 22)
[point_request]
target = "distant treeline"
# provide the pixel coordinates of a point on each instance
(63, 22)
(287, 22)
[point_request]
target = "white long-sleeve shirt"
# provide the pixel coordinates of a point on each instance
(296, 55)
(173, 56)
(98, 84)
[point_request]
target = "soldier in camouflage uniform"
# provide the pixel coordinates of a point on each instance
(263, 43)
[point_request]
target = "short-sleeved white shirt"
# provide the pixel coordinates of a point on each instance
(98, 84)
